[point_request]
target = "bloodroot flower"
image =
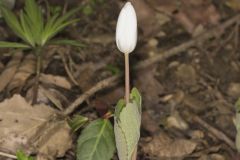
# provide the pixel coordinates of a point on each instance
(126, 38)
(126, 31)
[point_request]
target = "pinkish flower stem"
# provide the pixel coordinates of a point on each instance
(127, 81)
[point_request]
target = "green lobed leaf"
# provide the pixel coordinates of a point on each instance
(127, 130)
(96, 141)
(4, 44)
(77, 122)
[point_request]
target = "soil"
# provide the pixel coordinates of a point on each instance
(189, 94)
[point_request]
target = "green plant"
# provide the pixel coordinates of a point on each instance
(96, 141)
(127, 123)
(35, 32)
(77, 122)
(22, 156)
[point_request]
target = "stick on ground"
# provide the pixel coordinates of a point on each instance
(99, 86)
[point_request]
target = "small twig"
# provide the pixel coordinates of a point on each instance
(70, 75)
(100, 85)
(217, 133)
(7, 155)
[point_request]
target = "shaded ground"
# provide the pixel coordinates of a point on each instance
(188, 93)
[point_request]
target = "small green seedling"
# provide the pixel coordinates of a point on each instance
(77, 122)
(35, 32)
(22, 156)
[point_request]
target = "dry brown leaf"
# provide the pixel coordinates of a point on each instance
(26, 69)
(54, 141)
(10, 70)
(19, 121)
(46, 96)
(163, 146)
(42, 98)
(55, 80)
(32, 128)
(51, 95)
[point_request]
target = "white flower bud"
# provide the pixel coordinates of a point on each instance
(126, 31)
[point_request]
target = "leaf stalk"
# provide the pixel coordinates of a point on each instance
(38, 53)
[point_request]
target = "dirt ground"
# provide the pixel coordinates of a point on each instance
(186, 66)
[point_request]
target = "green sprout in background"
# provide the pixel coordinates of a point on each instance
(35, 32)
(22, 156)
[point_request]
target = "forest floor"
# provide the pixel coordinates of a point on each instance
(186, 66)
